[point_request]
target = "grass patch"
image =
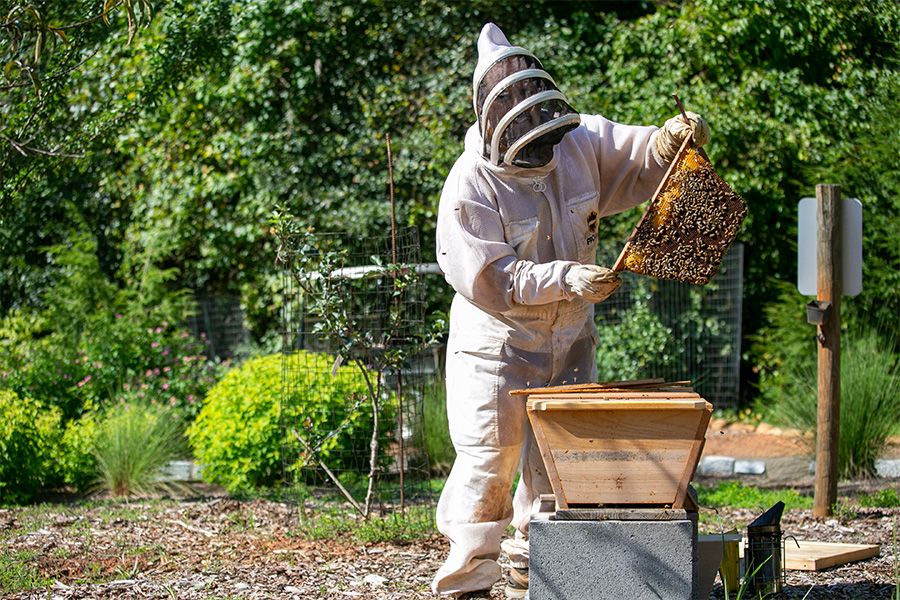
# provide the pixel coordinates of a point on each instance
(416, 523)
(734, 494)
(326, 523)
(112, 512)
(886, 498)
(17, 575)
(28, 519)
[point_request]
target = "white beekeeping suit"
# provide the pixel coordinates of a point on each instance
(516, 238)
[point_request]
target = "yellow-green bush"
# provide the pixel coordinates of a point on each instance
(75, 458)
(237, 437)
(29, 435)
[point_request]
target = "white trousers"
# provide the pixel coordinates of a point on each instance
(493, 441)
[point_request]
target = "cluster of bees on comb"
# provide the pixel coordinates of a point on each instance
(689, 226)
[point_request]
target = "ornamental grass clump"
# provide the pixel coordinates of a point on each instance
(134, 443)
(870, 402)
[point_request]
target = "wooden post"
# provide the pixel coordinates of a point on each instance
(828, 287)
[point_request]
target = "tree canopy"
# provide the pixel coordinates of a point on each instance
(169, 135)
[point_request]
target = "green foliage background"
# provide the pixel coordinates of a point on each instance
(219, 110)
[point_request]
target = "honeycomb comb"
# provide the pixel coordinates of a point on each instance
(691, 221)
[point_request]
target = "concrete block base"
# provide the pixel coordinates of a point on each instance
(612, 559)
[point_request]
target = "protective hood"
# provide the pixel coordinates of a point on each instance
(521, 113)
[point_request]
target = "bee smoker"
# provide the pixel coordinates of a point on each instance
(763, 554)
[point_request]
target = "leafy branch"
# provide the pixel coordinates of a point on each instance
(30, 40)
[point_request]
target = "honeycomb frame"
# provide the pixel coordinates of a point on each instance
(688, 226)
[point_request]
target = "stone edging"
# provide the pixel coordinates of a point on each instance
(729, 466)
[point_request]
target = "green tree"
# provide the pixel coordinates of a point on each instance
(188, 136)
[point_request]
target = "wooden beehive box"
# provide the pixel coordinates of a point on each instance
(621, 446)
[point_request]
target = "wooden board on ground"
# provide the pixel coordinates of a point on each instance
(815, 556)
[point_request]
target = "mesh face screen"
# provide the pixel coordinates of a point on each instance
(515, 98)
(689, 224)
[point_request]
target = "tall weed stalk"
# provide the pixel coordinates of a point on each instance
(134, 444)
(896, 564)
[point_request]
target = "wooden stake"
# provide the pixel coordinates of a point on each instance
(391, 192)
(828, 287)
(330, 474)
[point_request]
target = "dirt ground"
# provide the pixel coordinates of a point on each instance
(213, 546)
(743, 440)
(222, 548)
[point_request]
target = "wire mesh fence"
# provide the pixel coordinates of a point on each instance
(218, 322)
(659, 328)
(355, 368)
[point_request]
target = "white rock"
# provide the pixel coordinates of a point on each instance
(749, 467)
(888, 468)
(717, 466)
(374, 580)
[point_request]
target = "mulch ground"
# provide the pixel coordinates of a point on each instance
(219, 547)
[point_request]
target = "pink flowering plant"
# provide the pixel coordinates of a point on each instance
(164, 365)
(95, 342)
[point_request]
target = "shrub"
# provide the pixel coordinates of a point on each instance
(75, 457)
(635, 347)
(92, 343)
(785, 344)
(870, 401)
(28, 433)
(238, 437)
(133, 444)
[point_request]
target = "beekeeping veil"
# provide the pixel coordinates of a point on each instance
(521, 113)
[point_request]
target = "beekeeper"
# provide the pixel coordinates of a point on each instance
(517, 235)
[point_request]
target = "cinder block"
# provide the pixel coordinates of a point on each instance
(612, 560)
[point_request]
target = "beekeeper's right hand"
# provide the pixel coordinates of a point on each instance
(592, 282)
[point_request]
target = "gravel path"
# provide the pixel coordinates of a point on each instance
(224, 548)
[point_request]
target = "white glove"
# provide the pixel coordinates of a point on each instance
(672, 134)
(593, 283)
